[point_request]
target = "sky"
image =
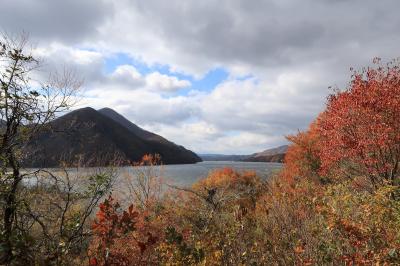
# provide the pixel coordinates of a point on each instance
(216, 76)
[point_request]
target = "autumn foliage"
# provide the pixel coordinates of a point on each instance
(342, 174)
(124, 237)
(335, 202)
(361, 128)
(302, 159)
(111, 224)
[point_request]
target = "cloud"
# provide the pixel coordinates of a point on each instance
(263, 107)
(211, 140)
(165, 82)
(280, 56)
(196, 36)
(55, 57)
(91, 66)
(141, 105)
(126, 76)
(55, 20)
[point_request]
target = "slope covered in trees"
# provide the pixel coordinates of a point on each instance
(275, 155)
(88, 137)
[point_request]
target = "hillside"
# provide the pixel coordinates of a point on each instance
(274, 155)
(140, 132)
(276, 158)
(223, 157)
(95, 139)
(274, 151)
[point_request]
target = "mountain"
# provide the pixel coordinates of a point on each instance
(278, 150)
(144, 134)
(271, 155)
(276, 155)
(98, 138)
(222, 157)
(164, 147)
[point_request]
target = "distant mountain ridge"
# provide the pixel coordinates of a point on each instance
(274, 155)
(274, 151)
(223, 157)
(98, 138)
(270, 155)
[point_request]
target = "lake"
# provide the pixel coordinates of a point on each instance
(187, 174)
(181, 175)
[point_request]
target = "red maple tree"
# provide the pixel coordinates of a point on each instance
(360, 131)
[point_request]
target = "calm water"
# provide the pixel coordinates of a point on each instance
(187, 174)
(181, 175)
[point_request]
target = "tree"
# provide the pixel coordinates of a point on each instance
(360, 132)
(218, 212)
(56, 213)
(126, 237)
(145, 182)
(130, 236)
(302, 158)
(25, 108)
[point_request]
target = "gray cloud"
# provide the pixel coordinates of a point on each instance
(270, 33)
(294, 49)
(65, 21)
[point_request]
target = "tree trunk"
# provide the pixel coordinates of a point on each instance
(9, 210)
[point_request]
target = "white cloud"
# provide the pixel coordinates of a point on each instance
(164, 82)
(124, 76)
(126, 71)
(143, 106)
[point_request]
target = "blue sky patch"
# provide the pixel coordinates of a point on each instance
(206, 84)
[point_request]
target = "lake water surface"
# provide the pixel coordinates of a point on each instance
(187, 174)
(180, 175)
